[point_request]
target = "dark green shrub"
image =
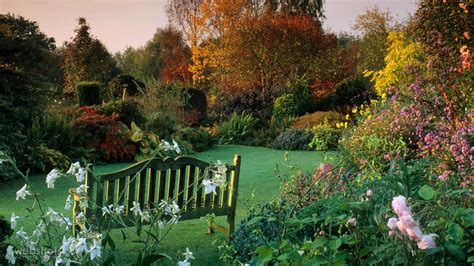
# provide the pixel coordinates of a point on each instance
(325, 137)
(292, 139)
(5, 233)
(199, 139)
(237, 128)
(88, 93)
(353, 91)
(254, 100)
(161, 123)
(21, 98)
(293, 104)
(262, 225)
(128, 111)
(196, 100)
(286, 105)
(124, 85)
(41, 159)
(54, 130)
(317, 118)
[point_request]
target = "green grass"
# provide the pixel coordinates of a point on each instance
(257, 178)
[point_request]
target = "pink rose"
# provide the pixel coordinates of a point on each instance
(392, 223)
(368, 193)
(399, 205)
(427, 241)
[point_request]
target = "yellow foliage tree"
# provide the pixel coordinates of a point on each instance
(402, 51)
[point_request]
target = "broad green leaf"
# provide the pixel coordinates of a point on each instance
(335, 244)
(319, 242)
(426, 192)
(265, 253)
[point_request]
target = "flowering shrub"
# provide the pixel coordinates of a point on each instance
(324, 137)
(57, 235)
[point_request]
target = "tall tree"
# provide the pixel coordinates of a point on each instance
(24, 46)
(86, 58)
(374, 26)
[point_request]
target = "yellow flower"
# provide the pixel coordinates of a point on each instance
(345, 124)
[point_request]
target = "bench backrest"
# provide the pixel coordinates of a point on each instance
(150, 181)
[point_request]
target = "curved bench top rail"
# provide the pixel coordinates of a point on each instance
(159, 164)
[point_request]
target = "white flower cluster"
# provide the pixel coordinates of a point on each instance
(73, 249)
(166, 146)
(218, 179)
(188, 255)
(170, 209)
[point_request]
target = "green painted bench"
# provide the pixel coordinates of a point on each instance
(150, 181)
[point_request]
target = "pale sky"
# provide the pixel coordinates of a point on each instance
(122, 23)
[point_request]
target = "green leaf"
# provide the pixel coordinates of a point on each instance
(110, 241)
(124, 236)
(470, 259)
(319, 242)
(150, 258)
(456, 232)
(335, 244)
(265, 253)
(426, 192)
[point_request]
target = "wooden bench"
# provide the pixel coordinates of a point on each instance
(150, 181)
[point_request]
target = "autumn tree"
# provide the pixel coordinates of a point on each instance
(86, 58)
(374, 25)
(165, 57)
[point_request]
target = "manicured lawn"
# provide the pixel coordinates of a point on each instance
(257, 178)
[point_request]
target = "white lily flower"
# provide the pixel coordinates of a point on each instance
(46, 257)
(81, 175)
(82, 189)
(83, 204)
(13, 220)
(136, 208)
(106, 210)
(209, 186)
(80, 246)
(119, 210)
(188, 254)
(73, 168)
(53, 216)
(174, 208)
(22, 234)
(184, 263)
(95, 250)
(69, 202)
(39, 230)
(66, 244)
(145, 216)
(10, 255)
(176, 147)
(165, 145)
(21, 194)
(51, 177)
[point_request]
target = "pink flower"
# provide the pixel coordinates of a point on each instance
(445, 175)
(351, 222)
(399, 205)
(427, 241)
(391, 233)
(414, 233)
(402, 227)
(369, 193)
(392, 223)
